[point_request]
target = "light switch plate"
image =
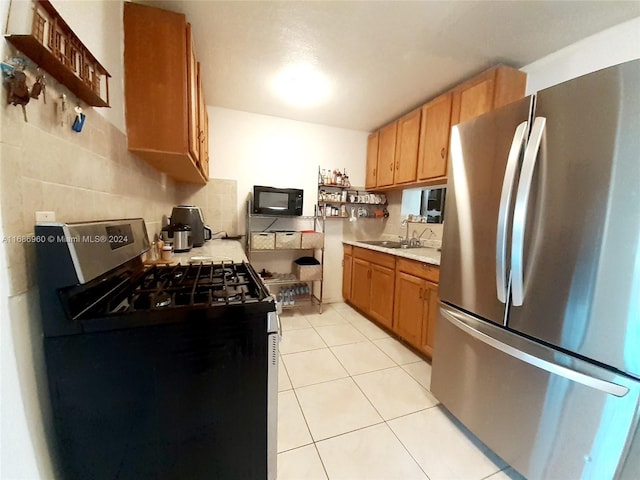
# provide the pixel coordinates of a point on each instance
(42, 217)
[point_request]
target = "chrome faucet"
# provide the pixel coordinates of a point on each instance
(415, 241)
(404, 241)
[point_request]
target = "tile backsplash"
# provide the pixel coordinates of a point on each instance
(218, 201)
(391, 227)
(85, 176)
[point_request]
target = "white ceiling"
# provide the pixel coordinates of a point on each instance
(382, 57)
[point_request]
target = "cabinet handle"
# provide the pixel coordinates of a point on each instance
(374, 172)
(368, 273)
(391, 167)
(420, 294)
(398, 165)
(442, 152)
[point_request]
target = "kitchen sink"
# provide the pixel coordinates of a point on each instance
(390, 244)
(385, 243)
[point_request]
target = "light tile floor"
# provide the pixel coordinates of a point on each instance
(354, 404)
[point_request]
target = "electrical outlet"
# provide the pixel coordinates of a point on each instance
(42, 217)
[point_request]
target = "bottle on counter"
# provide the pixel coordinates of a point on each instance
(345, 179)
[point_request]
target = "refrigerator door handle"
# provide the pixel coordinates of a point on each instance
(513, 161)
(530, 357)
(520, 210)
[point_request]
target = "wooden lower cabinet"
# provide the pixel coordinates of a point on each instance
(372, 284)
(429, 319)
(382, 286)
(361, 284)
(399, 294)
(417, 303)
(409, 308)
(347, 262)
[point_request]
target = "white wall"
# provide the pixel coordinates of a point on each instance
(98, 24)
(264, 150)
(615, 45)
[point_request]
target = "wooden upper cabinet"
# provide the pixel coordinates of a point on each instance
(202, 130)
(160, 83)
(476, 99)
(491, 89)
(407, 142)
(386, 154)
(434, 138)
(413, 150)
(193, 99)
(372, 161)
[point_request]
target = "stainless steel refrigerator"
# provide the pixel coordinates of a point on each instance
(537, 347)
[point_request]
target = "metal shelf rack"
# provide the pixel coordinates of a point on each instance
(293, 223)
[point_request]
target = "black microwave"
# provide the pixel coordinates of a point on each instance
(277, 201)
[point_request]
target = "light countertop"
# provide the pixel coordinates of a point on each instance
(422, 254)
(214, 251)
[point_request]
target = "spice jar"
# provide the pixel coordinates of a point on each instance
(167, 252)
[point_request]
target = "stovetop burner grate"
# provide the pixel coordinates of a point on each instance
(163, 287)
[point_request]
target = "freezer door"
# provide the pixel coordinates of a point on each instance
(576, 234)
(549, 415)
(484, 160)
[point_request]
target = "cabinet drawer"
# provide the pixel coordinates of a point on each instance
(372, 256)
(348, 249)
(420, 269)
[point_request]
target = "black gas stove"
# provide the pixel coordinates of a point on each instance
(155, 372)
(138, 296)
(189, 285)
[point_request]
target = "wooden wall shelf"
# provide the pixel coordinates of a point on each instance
(39, 32)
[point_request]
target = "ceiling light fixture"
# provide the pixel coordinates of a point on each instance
(301, 85)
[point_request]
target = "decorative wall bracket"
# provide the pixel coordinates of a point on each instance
(38, 31)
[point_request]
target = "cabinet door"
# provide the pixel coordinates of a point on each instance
(346, 276)
(203, 129)
(511, 84)
(430, 317)
(409, 308)
(407, 142)
(434, 138)
(372, 161)
(386, 155)
(476, 100)
(382, 289)
(205, 141)
(360, 283)
(193, 100)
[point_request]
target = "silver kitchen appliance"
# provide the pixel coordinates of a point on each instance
(180, 235)
(537, 349)
(192, 216)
